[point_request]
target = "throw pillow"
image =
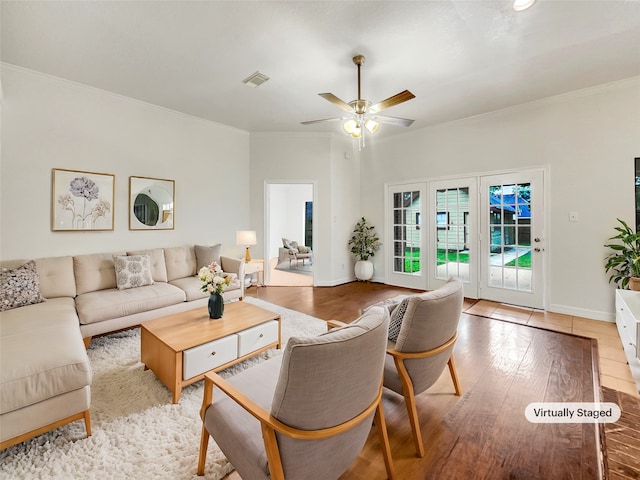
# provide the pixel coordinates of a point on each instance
(205, 255)
(158, 265)
(286, 243)
(293, 244)
(132, 271)
(19, 286)
(396, 319)
(302, 249)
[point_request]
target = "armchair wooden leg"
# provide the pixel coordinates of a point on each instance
(204, 444)
(87, 422)
(412, 412)
(410, 400)
(381, 426)
(454, 376)
(276, 470)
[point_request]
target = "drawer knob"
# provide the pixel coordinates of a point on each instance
(213, 353)
(261, 335)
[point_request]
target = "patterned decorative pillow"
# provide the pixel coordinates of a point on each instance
(19, 286)
(132, 271)
(396, 319)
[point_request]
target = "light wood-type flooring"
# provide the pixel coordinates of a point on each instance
(503, 365)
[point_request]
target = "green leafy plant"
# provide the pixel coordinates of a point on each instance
(624, 261)
(364, 242)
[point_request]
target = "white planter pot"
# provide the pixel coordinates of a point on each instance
(364, 270)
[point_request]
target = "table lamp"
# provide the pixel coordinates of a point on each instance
(246, 238)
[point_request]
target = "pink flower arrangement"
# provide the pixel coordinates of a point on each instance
(213, 279)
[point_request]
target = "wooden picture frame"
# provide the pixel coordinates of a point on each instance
(81, 201)
(151, 203)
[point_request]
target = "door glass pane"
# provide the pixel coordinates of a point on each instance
(510, 236)
(452, 229)
(406, 232)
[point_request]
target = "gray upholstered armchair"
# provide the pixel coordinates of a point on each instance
(428, 330)
(305, 414)
(297, 252)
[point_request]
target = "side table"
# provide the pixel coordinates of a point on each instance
(255, 266)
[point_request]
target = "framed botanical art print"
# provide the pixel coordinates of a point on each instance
(151, 203)
(81, 201)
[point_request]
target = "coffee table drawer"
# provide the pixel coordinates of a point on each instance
(208, 356)
(257, 337)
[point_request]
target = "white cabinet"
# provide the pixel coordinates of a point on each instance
(208, 356)
(257, 337)
(628, 323)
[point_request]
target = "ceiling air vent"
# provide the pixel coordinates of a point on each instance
(255, 80)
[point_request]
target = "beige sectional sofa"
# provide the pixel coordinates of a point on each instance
(45, 375)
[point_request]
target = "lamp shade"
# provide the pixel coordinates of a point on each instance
(246, 237)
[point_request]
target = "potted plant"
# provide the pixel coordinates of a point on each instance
(624, 261)
(364, 243)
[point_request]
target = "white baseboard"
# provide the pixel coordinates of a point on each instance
(334, 283)
(583, 312)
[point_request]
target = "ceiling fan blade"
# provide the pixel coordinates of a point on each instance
(324, 120)
(336, 101)
(403, 122)
(392, 101)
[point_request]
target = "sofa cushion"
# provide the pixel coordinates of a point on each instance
(113, 303)
(94, 272)
(56, 277)
(191, 286)
(180, 261)
(207, 255)
(41, 353)
(158, 265)
(132, 271)
(19, 286)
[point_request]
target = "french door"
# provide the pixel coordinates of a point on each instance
(512, 238)
(453, 233)
(486, 230)
(406, 235)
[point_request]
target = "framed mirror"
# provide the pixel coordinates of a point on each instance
(151, 203)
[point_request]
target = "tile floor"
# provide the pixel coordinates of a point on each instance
(614, 370)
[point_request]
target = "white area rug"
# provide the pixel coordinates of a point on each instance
(137, 432)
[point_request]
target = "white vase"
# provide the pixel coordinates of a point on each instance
(364, 270)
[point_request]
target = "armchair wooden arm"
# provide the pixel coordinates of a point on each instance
(270, 425)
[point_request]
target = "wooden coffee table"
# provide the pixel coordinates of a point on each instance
(181, 348)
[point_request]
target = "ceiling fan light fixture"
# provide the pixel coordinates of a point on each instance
(357, 132)
(350, 126)
(520, 5)
(372, 126)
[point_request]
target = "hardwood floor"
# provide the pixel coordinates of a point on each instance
(484, 434)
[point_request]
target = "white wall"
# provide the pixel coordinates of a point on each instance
(588, 139)
(287, 213)
(51, 123)
(318, 159)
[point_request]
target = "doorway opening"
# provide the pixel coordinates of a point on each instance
(289, 234)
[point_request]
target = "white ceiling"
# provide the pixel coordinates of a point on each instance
(460, 58)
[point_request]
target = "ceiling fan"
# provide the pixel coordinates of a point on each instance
(364, 114)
